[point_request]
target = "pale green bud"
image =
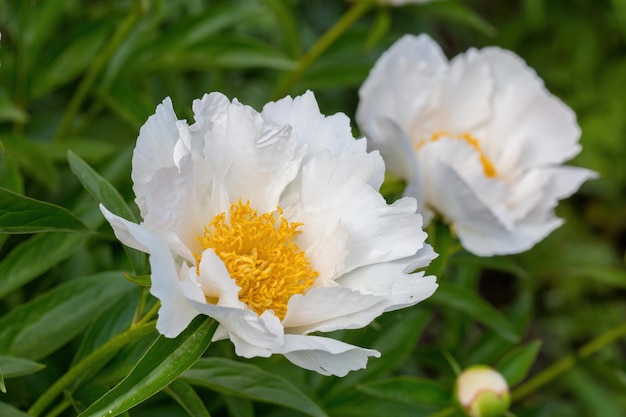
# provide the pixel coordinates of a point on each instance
(482, 391)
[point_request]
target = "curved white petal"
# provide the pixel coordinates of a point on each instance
(176, 311)
(328, 309)
(325, 356)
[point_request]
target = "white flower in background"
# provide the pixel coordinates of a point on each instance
(479, 140)
(272, 224)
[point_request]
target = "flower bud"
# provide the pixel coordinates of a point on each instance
(482, 391)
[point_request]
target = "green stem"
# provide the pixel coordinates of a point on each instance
(327, 39)
(92, 72)
(102, 353)
(568, 362)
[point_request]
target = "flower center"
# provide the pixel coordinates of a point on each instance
(260, 255)
(488, 168)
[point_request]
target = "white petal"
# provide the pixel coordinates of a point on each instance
(328, 309)
(155, 146)
(176, 312)
(314, 131)
(325, 356)
(334, 191)
(216, 282)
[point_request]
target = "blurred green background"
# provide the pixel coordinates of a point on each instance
(85, 75)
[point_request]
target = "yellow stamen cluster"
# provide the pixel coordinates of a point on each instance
(488, 168)
(260, 255)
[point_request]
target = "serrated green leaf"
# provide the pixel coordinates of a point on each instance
(244, 380)
(13, 367)
(20, 214)
(185, 395)
(515, 365)
(18, 268)
(7, 411)
(163, 363)
(467, 302)
(408, 390)
(39, 327)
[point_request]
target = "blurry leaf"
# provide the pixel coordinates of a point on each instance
(288, 25)
(188, 399)
(606, 275)
(3, 387)
(595, 400)
(505, 264)
(32, 158)
(408, 390)
(10, 177)
(20, 214)
(395, 340)
(77, 54)
(244, 380)
(380, 28)
(465, 301)
(356, 404)
(457, 12)
(13, 367)
(105, 193)
(238, 407)
(163, 363)
(39, 327)
(9, 111)
(7, 411)
(221, 52)
(18, 268)
(516, 364)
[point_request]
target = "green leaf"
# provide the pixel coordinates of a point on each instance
(48, 250)
(516, 364)
(185, 395)
(7, 411)
(99, 188)
(106, 194)
(20, 214)
(141, 280)
(163, 363)
(408, 390)
(10, 177)
(395, 339)
(3, 388)
(457, 12)
(467, 302)
(244, 380)
(41, 326)
(9, 111)
(13, 367)
(32, 158)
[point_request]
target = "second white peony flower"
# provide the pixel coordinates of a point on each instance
(272, 224)
(479, 140)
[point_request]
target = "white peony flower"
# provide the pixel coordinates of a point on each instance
(272, 224)
(479, 140)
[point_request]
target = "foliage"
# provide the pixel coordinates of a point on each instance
(78, 79)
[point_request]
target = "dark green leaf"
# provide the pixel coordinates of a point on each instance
(7, 411)
(13, 367)
(41, 326)
(20, 214)
(516, 364)
(141, 280)
(592, 397)
(32, 158)
(408, 390)
(163, 363)
(10, 177)
(106, 194)
(467, 302)
(99, 188)
(185, 395)
(244, 380)
(18, 268)
(3, 387)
